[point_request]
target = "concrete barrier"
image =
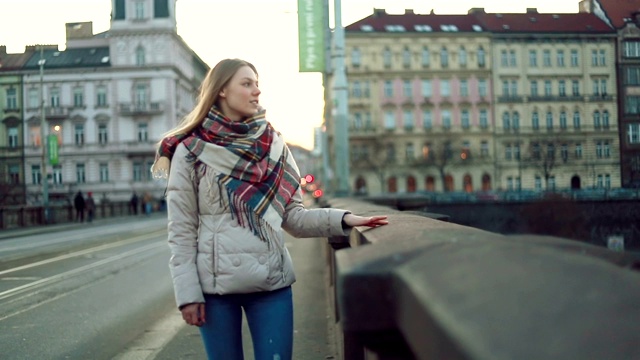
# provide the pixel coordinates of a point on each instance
(421, 288)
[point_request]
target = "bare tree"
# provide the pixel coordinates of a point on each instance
(441, 154)
(544, 155)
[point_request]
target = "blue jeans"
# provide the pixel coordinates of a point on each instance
(270, 318)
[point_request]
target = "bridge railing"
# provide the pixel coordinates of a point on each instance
(421, 288)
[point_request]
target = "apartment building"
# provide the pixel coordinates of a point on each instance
(554, 100)
(624, 17)
(481, 101)
(419, 103)
(108, 98)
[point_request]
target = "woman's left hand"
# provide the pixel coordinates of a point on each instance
(370, 221)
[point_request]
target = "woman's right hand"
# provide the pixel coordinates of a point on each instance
(193, 314)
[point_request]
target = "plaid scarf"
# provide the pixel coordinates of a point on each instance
(256, 167)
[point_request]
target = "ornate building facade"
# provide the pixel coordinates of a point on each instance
(108, 98)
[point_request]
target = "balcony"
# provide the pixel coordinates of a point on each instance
(56, 113)
(133, 109)
(510, 99)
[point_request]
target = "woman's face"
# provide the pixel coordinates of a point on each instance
(239, 99)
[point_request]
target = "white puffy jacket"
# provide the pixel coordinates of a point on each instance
(212, 254)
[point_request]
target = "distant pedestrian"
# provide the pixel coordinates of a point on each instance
(79, 204)
(134, 203)
(233, 188)
(147, 202)
(90, 205)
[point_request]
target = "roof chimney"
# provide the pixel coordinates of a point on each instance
(532, 10)
(408, 11)
(79, 30)
(379, 12)
(476, 11)
(3, 50)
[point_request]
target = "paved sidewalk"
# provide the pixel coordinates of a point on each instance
(312, 328)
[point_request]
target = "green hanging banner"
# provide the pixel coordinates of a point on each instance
(311, 36)
(52, 143)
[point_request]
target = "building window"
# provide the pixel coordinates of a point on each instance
(575, 88)
(547, 88)
(410, 152)
(14, 174)
(57, 174)
(516, 151)
(535, 120)
(605, 119)
(388, 89)
(462, 57)
(515, 120)
(446, 119)
(546, 58)
(574, 58)
(367, 89)
(631, 49)
(141, 96)
(464, 88)
(562, 88)
(36, 175)
(34, 98)
(549, 120)
(406, 57)
(389, 120)
(535, 151)
(602, 58)
(101, 96)
(55, 97)
(538, 183)
(137, 172)
(504, 59)
(103, 134)
(355, 57)
(578, 151)
(427, 119)
(444, 58)
(563, 120)
(406, 88)
(506, 121)
(12, 99)
(357, 121)
(594, 57)
(507, 152)
(560, 58)
(386, 58)
(12, 137)
(484, 148)
(426, 57)
(445, 88)
(603, 87)
(633, 133)
(391, 152)
(512, 58)
(356, 90)
(632, 76)
(576, 120)
(78, 131)
(161, 9)
(482, 87)
(505, 88)
(80, 173)
(534, 88)
(533, 58)
(104, 172)
(632, 104)
(140, 56)
(408, 120)
(426, 88)
(464, 119)
(482, 61)
(139, 10)
(564, 152)
(143, 132)
(484, 119)
(78, 97)
(596, 119)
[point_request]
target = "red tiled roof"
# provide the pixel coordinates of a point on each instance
(476, 21)
(618, 10)
(547, 23)
(437, 23)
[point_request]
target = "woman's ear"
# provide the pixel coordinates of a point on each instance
(222, 95)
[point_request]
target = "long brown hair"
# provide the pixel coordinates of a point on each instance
(210, 89)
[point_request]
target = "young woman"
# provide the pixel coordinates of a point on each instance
(233, 188)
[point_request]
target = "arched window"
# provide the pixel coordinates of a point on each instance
(430, 183)
(361, 186)
(411, 184)
(392, 185)
(140, 56)
(486, 182)
(467, 183)
(448, 183)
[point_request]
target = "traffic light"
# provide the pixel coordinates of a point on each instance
(309, 178)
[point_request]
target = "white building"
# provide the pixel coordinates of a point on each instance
(109, 98)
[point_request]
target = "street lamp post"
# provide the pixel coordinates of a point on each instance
(43, 141)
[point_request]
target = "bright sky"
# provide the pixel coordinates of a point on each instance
(263, 32)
